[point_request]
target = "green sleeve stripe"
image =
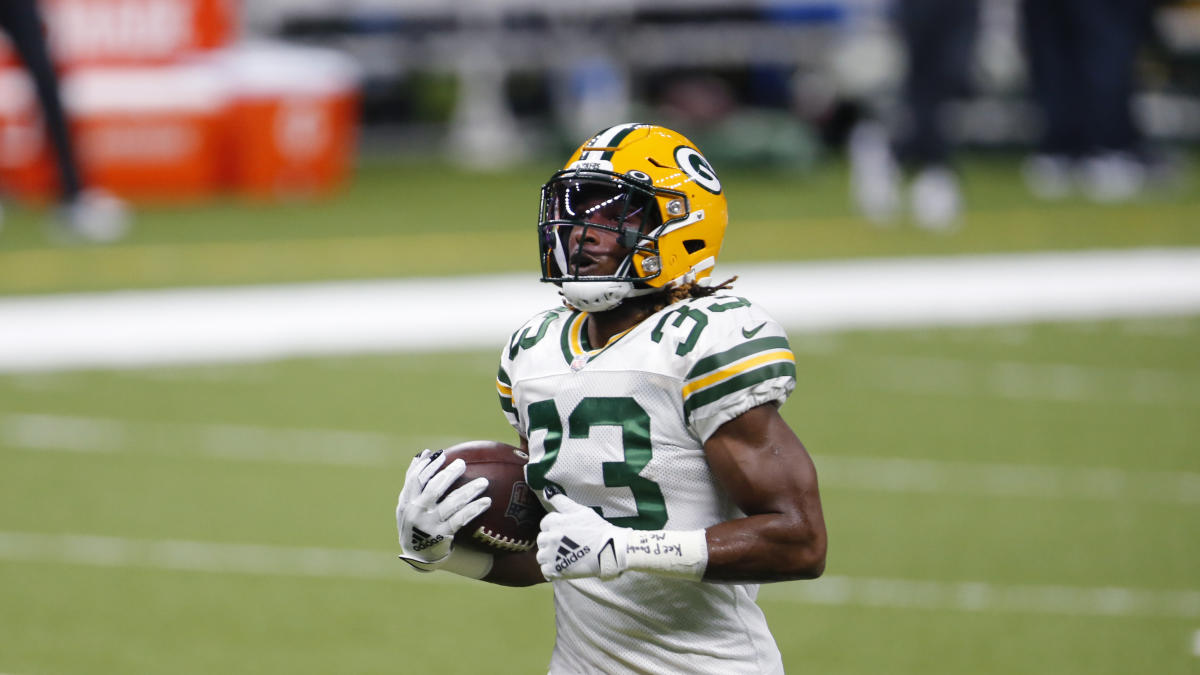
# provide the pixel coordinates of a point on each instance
(503, 379)
(745, 380)
(708, 364)
(507, 406)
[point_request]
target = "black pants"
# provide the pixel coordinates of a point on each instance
(1081, 58)
(23, 23)
(939, 39)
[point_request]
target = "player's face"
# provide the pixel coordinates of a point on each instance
(596, 251)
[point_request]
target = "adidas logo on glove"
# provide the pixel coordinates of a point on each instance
(423, 540)
(569, 553)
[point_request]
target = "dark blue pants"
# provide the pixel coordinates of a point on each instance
(939, 39)
(22, 22)
(1081, 56)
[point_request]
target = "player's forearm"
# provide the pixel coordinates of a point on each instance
(766, 547)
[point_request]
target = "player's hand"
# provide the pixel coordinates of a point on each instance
(576, 542)
(425, 519)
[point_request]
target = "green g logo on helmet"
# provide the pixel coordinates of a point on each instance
(692, 163)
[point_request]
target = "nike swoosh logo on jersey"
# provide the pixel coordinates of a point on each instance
(753, 331)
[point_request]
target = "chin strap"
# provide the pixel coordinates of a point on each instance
(600, 296)
(595, 296)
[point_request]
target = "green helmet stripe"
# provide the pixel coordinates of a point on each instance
(616, 141)
(610, 137)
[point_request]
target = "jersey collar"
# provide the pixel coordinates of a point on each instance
(575, 344)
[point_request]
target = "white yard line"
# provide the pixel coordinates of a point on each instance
(364, 448)
(916, 476)
(977, 596)
(134, 328)
(221, 558)
(221, 441)
(170, 554)
(1022, 380)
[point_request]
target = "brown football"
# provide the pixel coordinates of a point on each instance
(510, 525)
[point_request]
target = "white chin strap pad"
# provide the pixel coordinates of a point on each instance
(595, 296)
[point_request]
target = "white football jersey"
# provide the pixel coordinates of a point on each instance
(621, 428)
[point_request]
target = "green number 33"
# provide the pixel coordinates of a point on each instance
(596, 411)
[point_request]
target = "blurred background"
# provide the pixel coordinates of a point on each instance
(255, 254)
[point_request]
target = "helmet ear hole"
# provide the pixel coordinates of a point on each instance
(693, 245)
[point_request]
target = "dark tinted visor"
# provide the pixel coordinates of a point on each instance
(603, 202)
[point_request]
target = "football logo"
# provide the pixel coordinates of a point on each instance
(523, 505)
(695, 166)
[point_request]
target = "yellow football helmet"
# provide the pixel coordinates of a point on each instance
(643, 170)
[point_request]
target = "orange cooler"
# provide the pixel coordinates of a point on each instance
(138, 132)
(294, 119)
(149, 132)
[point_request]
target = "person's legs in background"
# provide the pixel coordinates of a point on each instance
(939, 42)
(1111, 33)
(1055, 78)
(939, 37)
(83, 214)
(1082, 55)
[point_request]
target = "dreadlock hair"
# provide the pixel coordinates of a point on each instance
(691, 290)
(651, 304)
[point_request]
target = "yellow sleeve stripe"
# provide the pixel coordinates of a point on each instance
(763, 358)
(504, 389)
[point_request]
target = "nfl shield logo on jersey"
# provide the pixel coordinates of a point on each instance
(579, 362)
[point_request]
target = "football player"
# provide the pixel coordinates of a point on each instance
(649, 406)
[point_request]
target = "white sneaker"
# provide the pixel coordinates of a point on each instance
(1048, 177)
(936, 199)
(1112, 177)
(874, 174)
(95, 217)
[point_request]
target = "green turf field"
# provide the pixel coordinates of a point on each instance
(1015, 499)
(409, 219)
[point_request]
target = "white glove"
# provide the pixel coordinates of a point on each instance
(427, 522)
(576, 542)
